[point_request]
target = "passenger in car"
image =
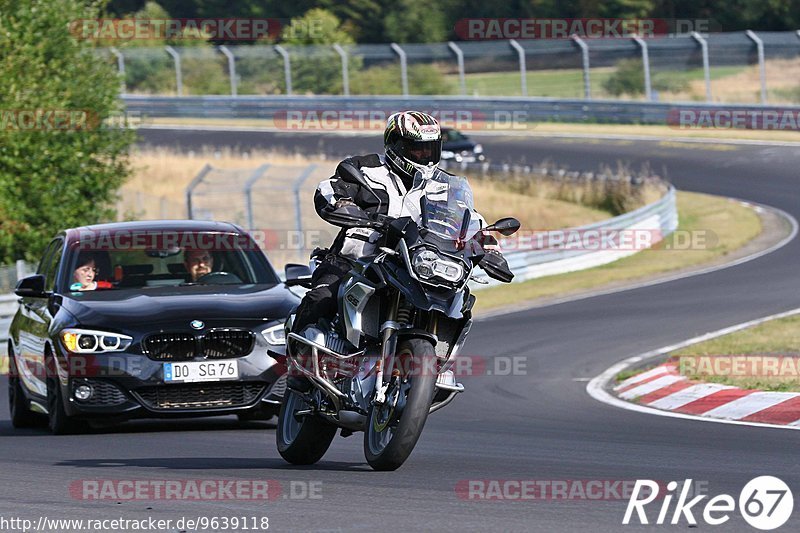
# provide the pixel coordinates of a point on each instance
(198, 263)
(85, 274)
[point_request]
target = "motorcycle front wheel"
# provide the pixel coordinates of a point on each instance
(388, 441)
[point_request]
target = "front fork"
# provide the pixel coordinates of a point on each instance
(389, 331)
(388, 348)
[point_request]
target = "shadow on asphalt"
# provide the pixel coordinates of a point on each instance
(144, 426)
(213, 463)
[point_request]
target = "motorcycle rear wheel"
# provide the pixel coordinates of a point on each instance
(303, 441)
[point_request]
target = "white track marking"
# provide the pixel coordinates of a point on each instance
(657, 371)
(750, 404)
(687, 395)
(597, 387)
(651, 386)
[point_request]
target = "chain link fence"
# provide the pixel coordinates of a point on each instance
(740, 67)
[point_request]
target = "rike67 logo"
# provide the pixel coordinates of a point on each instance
(765, 503)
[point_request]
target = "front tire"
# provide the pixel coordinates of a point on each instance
(58, 421)
(387, 446)
(304, 441)
(21, 414)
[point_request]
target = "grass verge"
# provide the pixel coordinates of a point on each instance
(764, 357)
(727, 223)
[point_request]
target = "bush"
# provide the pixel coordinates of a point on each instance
(424, 79)
(629, 79)
(68, 176)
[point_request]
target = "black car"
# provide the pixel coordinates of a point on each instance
(149, 319)
(459, 148)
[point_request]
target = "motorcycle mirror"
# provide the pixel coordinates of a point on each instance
(505, 226)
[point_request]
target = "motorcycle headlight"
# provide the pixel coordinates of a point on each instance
(91, 341)
(275, 335)
(428, 264)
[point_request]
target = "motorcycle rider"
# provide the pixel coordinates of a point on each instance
(412, 143)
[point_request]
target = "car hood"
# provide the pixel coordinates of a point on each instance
(171, 304)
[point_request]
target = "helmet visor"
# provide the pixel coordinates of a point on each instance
(422, 152)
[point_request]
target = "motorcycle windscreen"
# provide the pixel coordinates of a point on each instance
(448, 207)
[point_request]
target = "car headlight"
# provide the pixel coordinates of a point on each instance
(428, 264)
(275, 335)
(91, 341)
(447, 154)
(478, 149)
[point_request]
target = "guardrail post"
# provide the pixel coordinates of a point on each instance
(22, 269)
(231, 68)
(298, 183)
(287, 67)
(460, 58)
(403, 66)
(587, 84)
(706, 66)
(248, 193)
(345, 74)
(523, 72)
(120, 67)
(178, 77)
(190, 189)
(761, 63)
(648, 88)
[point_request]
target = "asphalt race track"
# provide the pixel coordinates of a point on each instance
(538, 426)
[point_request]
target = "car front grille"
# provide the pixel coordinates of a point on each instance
(169, 346)
(224, 343)
(278, 389)
(215, 344)
(200, 395)
(103, 393)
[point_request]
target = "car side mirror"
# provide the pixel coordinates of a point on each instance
(31, 287)
(297, 275)
(505, 226)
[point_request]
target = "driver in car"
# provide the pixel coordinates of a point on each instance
(412, 142)
(198, 263)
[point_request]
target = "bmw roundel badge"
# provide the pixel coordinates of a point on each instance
(197, 324)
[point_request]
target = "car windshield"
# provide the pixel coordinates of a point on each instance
(453, 135)
(138, 260)
(449, 205)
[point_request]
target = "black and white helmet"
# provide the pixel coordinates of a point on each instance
(413, 143)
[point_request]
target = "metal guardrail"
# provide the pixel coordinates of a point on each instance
(659, 218)
(8, 307)
(656, 221)
(512, 112)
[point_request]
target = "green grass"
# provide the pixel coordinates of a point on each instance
(568, 83)
(765, 344)
(732, 225)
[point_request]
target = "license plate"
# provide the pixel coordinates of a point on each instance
(200, 371)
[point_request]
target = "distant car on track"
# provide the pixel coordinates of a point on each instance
(459, 148)
(152, 336)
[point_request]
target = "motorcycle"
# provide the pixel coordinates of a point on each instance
(385, 362)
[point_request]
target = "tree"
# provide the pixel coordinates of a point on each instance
(411, 21)
(317, 69)
(67, 175)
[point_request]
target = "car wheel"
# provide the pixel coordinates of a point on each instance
(21, 415)
(58, 421)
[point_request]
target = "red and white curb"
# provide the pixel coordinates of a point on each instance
(663, 391)
(664, 388)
